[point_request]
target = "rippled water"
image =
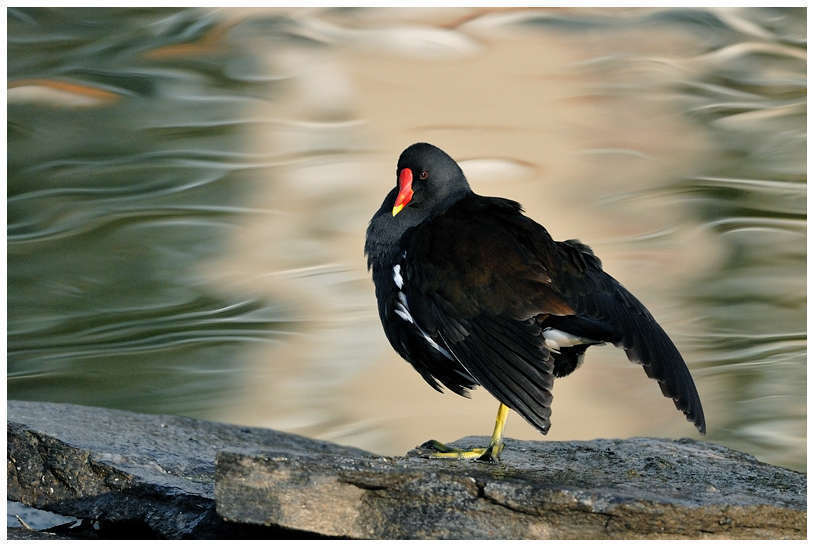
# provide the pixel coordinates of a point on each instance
(188, 192)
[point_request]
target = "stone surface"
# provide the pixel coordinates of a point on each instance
(614, 489)
(22, 533)
(126, 475)
(19, 516)
(150, 475)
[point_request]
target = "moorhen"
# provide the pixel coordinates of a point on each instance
(472, 292)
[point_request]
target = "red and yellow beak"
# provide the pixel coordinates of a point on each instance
(405, 190)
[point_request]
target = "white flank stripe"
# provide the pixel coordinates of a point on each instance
(444, 352)
(403, 311)
(397, 276)
(404, 314)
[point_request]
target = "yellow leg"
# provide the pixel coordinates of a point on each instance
(490, 453)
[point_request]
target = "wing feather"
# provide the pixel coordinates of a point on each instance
(514, 369)
(614, 315)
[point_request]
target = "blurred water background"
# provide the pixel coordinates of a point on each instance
(188, 191)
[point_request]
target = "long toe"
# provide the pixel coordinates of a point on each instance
(437, 450)
(491, 454)
(436, 446)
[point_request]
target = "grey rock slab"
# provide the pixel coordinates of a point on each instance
(602, 489)
(153, 472)
(31, 518)
(22, 533)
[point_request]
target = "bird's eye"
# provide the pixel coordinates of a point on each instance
(423, 175)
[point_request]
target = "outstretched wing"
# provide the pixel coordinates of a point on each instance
(605, 310)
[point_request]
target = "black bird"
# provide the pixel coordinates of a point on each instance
(472, 292)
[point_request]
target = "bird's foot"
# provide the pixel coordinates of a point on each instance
(434, 449)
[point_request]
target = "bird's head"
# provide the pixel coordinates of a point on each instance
(427, 179)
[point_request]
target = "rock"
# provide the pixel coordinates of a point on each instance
(126, 475)
(21, 516)
(602, 489)
(22, 533)
(137, 475)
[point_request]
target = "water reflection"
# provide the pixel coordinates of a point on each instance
(187, 200)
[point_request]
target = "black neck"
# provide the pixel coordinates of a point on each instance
(385, 230)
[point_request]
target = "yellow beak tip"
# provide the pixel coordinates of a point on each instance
(397, 208)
